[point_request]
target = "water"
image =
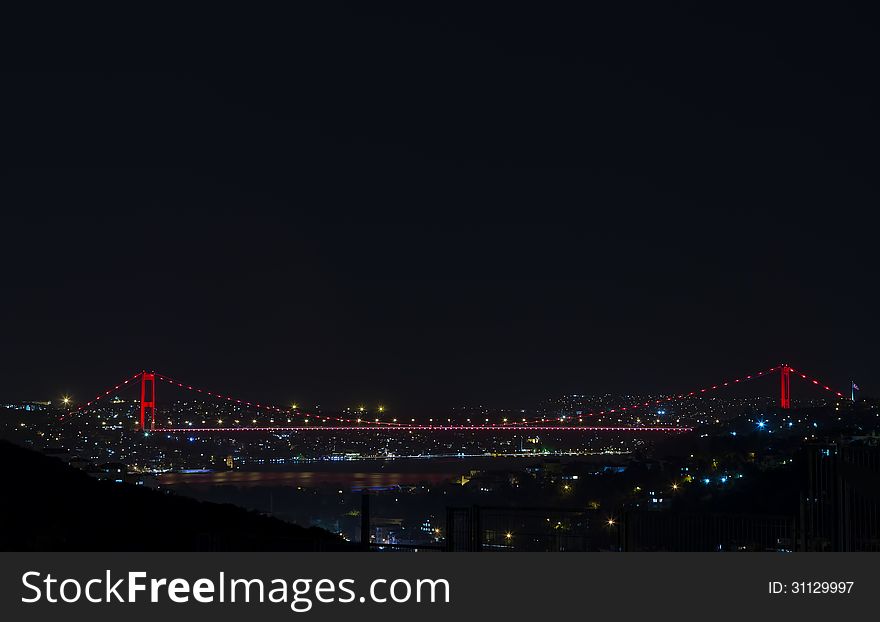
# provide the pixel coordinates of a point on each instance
(356, 474)
(305, 479)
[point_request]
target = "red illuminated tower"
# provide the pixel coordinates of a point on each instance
(148, 405)
(785, 384)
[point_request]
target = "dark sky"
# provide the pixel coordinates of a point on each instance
(433, 209)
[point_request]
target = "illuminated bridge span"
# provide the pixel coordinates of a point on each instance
(439, 428)
(299, 421)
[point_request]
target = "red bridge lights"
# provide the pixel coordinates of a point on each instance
(148, 405)
(785, 386)
(148, 408)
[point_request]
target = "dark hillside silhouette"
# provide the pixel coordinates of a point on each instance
(47, 505)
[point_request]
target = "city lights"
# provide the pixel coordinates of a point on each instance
(469, 433)
(537, 276)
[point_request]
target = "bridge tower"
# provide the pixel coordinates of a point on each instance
(148, 407)
(785, 383)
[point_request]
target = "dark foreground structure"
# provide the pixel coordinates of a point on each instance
(838, 510)
(840, 506)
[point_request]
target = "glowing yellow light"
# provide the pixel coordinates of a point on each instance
(508, 535)
(294, 406)
(611, 522)
(65, 400)
(361, 408)
(381, 408)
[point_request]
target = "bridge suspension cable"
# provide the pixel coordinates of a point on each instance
(359, 423)
(785, 399)
(111, 391)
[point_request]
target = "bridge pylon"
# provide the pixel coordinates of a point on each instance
(148, 406)
(785, 387)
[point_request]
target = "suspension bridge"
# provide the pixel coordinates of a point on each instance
(294, 419)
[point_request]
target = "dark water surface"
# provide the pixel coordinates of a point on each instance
(362, 473)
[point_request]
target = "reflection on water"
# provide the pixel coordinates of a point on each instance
(364, 473)
(306, 479)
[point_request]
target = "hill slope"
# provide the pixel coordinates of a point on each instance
(49, 506)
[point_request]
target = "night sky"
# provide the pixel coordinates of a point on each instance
(430, 209)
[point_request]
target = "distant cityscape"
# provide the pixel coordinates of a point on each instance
(109, 432)
(745, 478)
